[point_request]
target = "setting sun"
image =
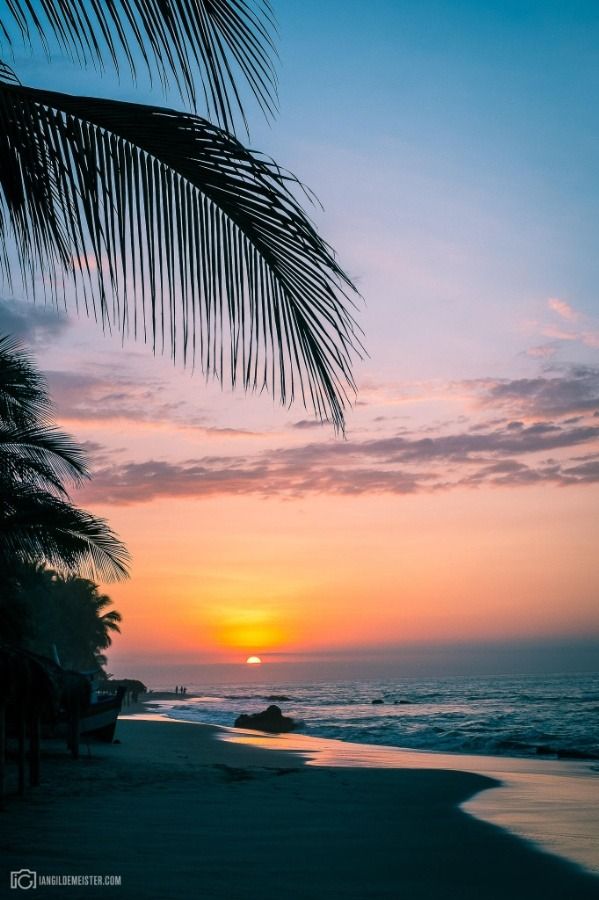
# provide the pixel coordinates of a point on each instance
(253, 661)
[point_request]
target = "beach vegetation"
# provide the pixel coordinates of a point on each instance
(40, 525)
(66, 617)
(38, 464)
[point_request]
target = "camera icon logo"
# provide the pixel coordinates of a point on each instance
(23, 880)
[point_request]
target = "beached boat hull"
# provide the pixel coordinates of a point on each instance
(97, 720)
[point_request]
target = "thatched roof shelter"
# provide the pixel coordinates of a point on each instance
(28, 680)
(33, 689)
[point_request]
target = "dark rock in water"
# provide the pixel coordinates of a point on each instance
(576, 754)
(271, 720)
(544, 750)
(278, 698)
(378, 700)
(403, 702)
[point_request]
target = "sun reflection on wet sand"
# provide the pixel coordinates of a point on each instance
(554, 803)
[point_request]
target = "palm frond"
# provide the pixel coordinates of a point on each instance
(219, 40)
(31, 448)
(36, 525)
(8, 74)
(41, 454)
(170, 228)
(24, 397)
(110, 622)
(37, 520)
(30, 471)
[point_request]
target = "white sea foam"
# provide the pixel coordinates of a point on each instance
(508, 716)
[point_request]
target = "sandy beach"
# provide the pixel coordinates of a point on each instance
(177, 813)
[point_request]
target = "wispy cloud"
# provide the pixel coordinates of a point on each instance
(575, 389)
(308, 424)
(575, 326)
(105, 397)
(563, 309)
(557, 391)
(508, 454)
(517, 432)
(34, 324)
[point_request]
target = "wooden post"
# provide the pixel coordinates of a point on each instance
(21, 756)
(34, 748)
(74, 728)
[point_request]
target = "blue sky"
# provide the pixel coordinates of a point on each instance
(455, 148)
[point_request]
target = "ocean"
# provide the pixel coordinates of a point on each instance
(518, 716)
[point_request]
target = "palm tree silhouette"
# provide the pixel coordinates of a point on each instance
(37, 519)
(80, 624)
(160, 222)
(62, 613)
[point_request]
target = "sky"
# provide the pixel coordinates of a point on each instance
(455, 149)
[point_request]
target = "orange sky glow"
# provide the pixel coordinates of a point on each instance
(316, 574)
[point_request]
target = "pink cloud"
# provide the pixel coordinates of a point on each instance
(559, 334)
(563, 309)
(590, 338)
(505, 453)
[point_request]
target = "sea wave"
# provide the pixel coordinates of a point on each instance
(555, 716)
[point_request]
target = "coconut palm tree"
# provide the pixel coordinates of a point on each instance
(78, 622)
(160, 222)
(65, 613)
(38, 522)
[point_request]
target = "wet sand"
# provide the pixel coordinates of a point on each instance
(554, 803)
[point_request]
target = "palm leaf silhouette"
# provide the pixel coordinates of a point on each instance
(219, 40)
(35, 524)
(171, 228)
(37, 519)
